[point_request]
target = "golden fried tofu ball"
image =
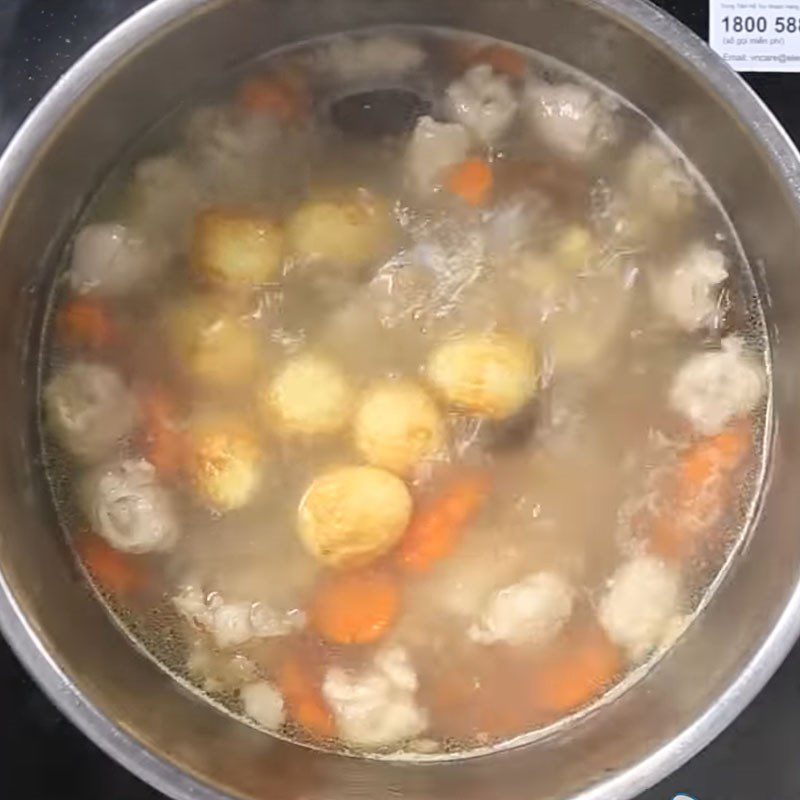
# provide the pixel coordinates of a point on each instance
(237, 248)
(212, 344)
(352, 515)
(226, 461)
(397, 425)
(310, 395)
(488, 374)
(346, 233)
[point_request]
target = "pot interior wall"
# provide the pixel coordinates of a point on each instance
(97, 120)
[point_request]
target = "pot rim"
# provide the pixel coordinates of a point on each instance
(665, 32)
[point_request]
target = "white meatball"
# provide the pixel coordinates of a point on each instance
(711, 389)
(89, 409)
(377, 707)
(232, 623)
(569, 118)
(532, 611)
(482, 102)
(397, 425)
(129, 509)
(219, 671)
(688, 294)
(657, 183)
(639, 605)
(226, 462)
(370, 58)
(309, 396)
(263, 703)
(352, 515)
(434, 147)
(110, 259)
(492, 375)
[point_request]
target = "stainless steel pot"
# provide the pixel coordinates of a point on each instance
(120, 698)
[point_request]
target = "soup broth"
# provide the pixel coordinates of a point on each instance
(405, 393)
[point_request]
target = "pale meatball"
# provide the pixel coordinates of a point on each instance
(658, 183)
(233, 623)
(642, 598)
(434, 148)
(688, 295)
(376, 707)
(482, 102)
(532, 611)
(568, 118)
(213, 345)
(237, 248)
(226, 462)
(371, 58)
(711, 389)
(397, 425)
(263, 703)
(216, 670)
(353, 515)
(129, 509)
(348, 233)
(491, 375)
(309, 396)
(110, 259)
(89, 409)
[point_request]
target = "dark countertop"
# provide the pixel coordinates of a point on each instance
(42, 757)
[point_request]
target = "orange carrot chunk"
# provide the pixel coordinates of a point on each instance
(583, 670)
(471, 180)
(163, 443)
(355, 607)
(86, 323)
(502, 59)
(115, 572)
(303, 698)
(434, 532)
(284, 99)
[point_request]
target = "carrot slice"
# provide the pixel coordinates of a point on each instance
(581, 671)
(163, 443)
(355, 607)
(86, 323)
(115, 572)
(434, 532)
(501, 59)
(282, 97)
(699, 493)
(304, 701)
(471, 180)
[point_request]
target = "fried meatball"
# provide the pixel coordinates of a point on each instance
(491, 375)
(310, 395)
(352, 515)
(129, 509)
(237, 248)
(347, 233)
(213, 345)
(89, 409)
(397, 425)
(225, 460)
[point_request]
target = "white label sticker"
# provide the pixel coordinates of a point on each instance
(756, 35)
